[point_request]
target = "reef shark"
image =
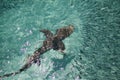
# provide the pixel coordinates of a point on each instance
(51, 42)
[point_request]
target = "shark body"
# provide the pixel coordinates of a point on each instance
(51, 42)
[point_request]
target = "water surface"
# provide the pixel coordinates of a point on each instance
(92, 50)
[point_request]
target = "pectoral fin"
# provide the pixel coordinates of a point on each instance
(37, 61)
(47, 33)
(59, 46)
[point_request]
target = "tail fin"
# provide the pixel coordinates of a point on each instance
(26, 66)
(10, 74)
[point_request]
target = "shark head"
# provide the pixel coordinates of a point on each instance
(70, 29)
(64, 32)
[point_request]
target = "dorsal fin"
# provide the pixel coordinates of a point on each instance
(47, 33)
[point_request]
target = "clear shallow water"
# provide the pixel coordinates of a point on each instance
(92, 50)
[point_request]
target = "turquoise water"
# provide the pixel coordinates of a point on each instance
(92, 50)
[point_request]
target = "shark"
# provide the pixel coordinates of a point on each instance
(52, 41)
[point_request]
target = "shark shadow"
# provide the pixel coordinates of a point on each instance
(60, 63)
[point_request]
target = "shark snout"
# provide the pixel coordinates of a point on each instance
(71, 29)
